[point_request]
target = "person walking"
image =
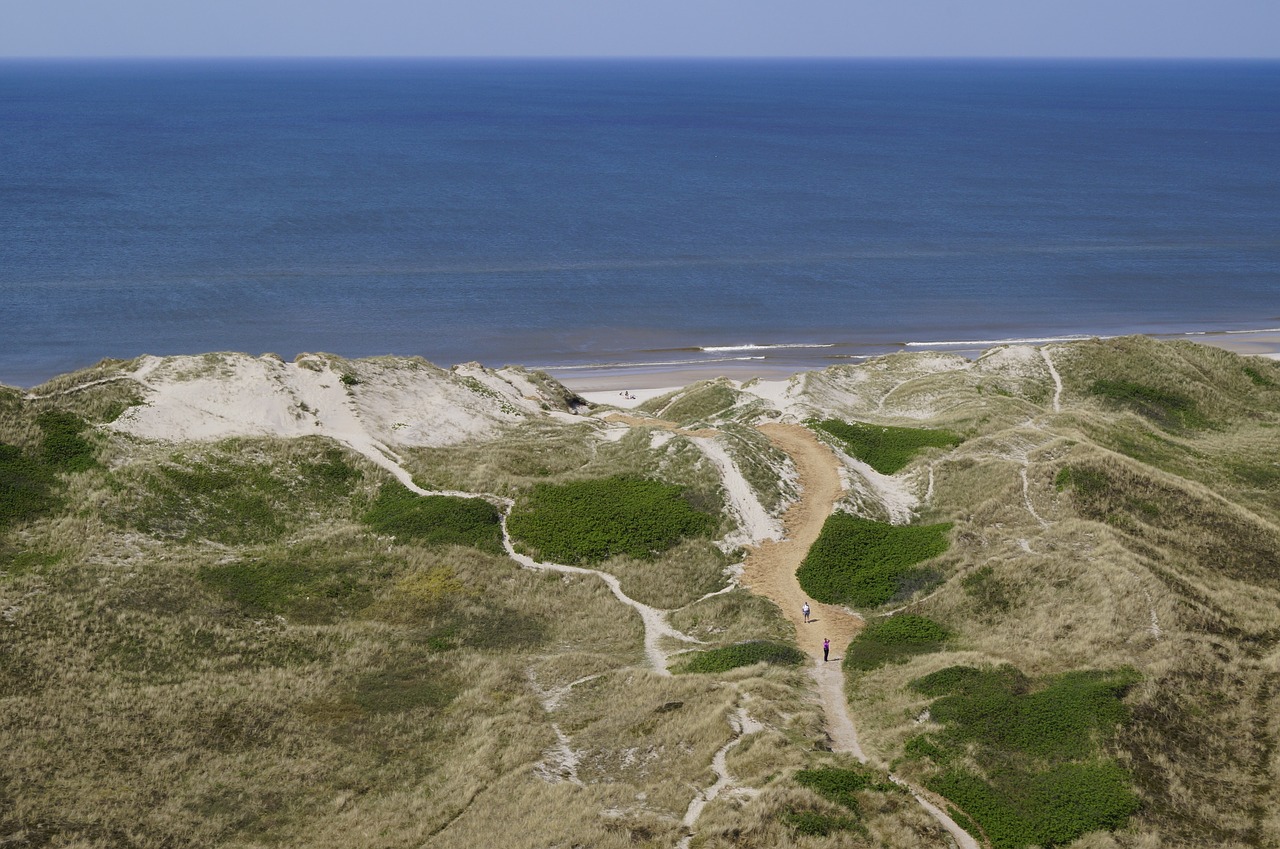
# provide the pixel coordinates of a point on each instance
(805, 611)
(826, 649)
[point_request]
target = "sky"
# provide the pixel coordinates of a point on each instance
(658, 28)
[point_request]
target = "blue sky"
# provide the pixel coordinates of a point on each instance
(853, 28)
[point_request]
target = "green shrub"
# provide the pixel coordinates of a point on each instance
(590, 521)
(863, 562)
(744, 654)
(62, 447)
(814, 824)
(1165, 408)
(26, 487)
(1041, 746)
(885, 449)
(435, 519)
(840, 785)
(893, 640)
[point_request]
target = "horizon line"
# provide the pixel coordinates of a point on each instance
(625, 57)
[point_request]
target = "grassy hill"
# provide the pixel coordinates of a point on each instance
(258, 637)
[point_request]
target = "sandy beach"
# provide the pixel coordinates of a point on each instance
(607, 386)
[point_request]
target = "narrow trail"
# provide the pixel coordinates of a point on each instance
(771, 571)
(1057, 380)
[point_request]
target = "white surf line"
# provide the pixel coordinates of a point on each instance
(743, 725)
(1057, 379)
(655, 620)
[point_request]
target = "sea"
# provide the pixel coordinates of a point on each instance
(592, 216)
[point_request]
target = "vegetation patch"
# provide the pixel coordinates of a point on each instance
(894, 640)
(1258, 378)
(593, 520)
(62, 447)
(987, 591)
(866, 563)
(435, 519)
(1170, 410)
(1040, 747)
(840, 787)
(816, 824)
(26, 487)
(885, 449)
(304, 585)
(399, 690)
(744, 654)
(701, 403)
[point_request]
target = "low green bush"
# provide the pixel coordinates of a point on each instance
(893, 640)
(435, 519)
(840, 785)
(1170, 410)
(814, 824)
(590, 521)
(744, 654)
(62, 447)
(26, 487)
(866, 563)
(1041, 746)
(885, 449)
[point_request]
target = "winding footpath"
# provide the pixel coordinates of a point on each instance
(771, 572)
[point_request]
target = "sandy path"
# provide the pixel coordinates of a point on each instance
(770, 571)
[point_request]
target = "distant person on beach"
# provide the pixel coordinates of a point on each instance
(826, 649)
(805, 611)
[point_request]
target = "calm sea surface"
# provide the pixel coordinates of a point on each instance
(568, 214)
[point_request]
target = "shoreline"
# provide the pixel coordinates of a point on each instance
(602, 385)
(782, 362)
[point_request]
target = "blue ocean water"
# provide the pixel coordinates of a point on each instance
(571, 213)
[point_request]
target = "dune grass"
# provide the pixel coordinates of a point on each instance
(170, 680)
